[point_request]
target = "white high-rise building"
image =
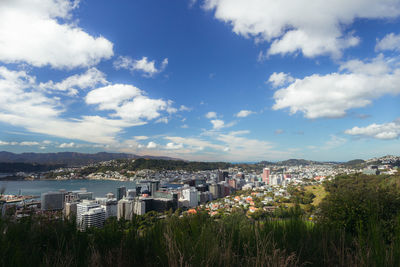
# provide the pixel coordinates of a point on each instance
(190, 194)
(139, 207)
(95, 217)
(125, 208)
(83, 207)
(110, 209)
(110, 206)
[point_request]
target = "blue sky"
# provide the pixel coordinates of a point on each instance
(205, 80)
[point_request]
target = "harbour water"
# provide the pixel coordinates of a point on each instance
(98, 187)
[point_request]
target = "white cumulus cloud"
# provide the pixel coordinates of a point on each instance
(148, 68)
(28, 143)
(23, 143)
(390, 42)
(173, 146)
(151, 145)
(89, 79)
(184, 108)
(194, 143)
(129, 103)
(112, 96)
(141, 137)
(218, 124)
(311, 27)
(67, 145)
(211, 115)
(23, 103)
(332, 95)
(280, 79)
(31, 32)
(385, 131)
(244, 113)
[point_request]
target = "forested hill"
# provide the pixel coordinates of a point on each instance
(13, 167)
(158, 164)
(290, 162)
(67, 158)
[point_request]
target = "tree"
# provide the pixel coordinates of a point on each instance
(308, 197)
(357, 202)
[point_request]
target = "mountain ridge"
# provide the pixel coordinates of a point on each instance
(69, 158)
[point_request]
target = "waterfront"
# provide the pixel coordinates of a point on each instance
(98, 187)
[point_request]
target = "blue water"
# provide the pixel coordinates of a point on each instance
(98, 187)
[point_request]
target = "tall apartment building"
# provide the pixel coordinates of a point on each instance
(265, 176)
(94, 217)
(190, 194)
(82, 208)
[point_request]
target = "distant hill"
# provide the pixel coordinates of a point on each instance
(13, 167)
(68, 158)
(294, 162)
(354, 163)
(290, 162)
(264, 162)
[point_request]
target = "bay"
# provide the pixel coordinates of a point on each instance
(99, 187)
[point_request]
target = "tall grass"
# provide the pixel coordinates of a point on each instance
(197, 240)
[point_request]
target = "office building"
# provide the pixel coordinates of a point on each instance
(52, 201)
(202, 188)
(110, 206)
(70, 209)
(190, 194)
(121, 192)
(3, 207)
(85, 195)
(215, 190)
(162, 204)
(222, 175)
(110, 195)
(225, 189)
(70, 197)
(154, 186)
(139, 207)
(78, 195)
(131, 193)
(205, 197)
(125, 208)
(233, 183)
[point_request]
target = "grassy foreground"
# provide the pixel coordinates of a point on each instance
(197, 240)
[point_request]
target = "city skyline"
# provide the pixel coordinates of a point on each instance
(201, 80)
